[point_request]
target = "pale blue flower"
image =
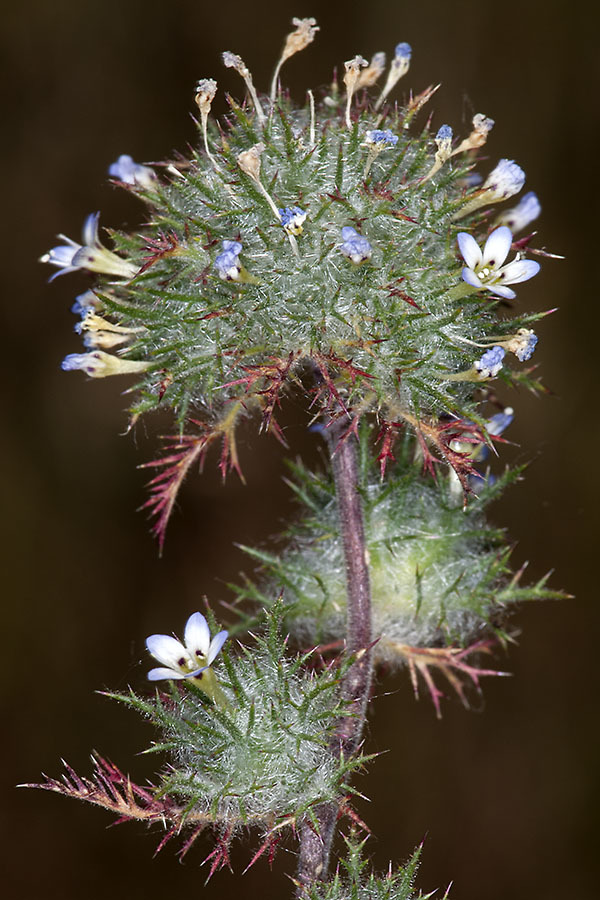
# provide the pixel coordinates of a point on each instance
(63, 256)
(377, 136)
(98, 364)
(292, 219)
(491, 362)
(130, 172)
(189, 659)
(505, 180)
(523, 214)
(84, 303)
(528, 345)
(355, 247)
(403, 51)
(485, 270)
(500, 421)
(227, 263)
(90, 255)
(444, 133)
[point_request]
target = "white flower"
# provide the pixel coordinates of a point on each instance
(521, 215)
(90, 255)
(485, 270)
(125, 169)
(505, 180)
(189, 659)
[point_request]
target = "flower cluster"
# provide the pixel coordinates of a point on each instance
(314, 241)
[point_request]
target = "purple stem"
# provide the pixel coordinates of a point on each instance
(315, 847)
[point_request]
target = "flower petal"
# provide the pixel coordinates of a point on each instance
(167, 650)
(159, 674)
(90, 230)
(520, 270)
(471, 278)
(216, 644)
(500, 291)
(497, 247)
(197, 635)
(469, 249)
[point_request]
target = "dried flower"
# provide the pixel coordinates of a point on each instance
(478, 136)
(374, 70)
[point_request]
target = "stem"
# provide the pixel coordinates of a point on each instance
(315, 846)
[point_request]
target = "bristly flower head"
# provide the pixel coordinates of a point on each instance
(187, 660)
(349, 275)
(485, 270)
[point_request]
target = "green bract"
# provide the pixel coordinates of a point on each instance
(439, 573)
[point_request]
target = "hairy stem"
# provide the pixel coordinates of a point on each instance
(315, 843)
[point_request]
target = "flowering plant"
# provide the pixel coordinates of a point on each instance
(309, 248)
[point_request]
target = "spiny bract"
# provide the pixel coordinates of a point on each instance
(439, 573)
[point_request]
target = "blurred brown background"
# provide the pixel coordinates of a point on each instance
(507, 795)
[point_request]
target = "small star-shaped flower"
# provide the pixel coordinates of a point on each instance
(485, 270)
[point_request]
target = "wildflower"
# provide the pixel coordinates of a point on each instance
(491, 362)
(227, 264)
(99, 364)
(130, 172)
(398, 68)
(504, 181)
(521, 215)
(187, 660)
(443, 140)
(522, 344)
(99, 332)
(90, 255)
(292, 219)
(381, 138)
(355, 247)
(500, 421)
(84, 303)
(485, 270)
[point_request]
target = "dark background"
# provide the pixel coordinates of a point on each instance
(506, 795)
